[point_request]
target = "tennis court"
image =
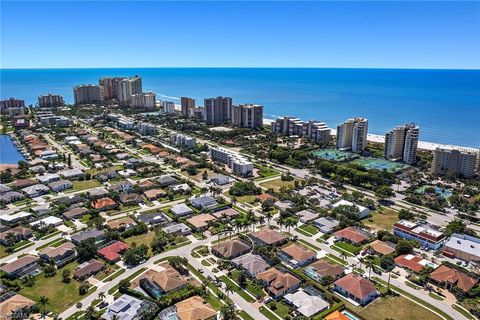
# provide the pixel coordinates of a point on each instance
(380, 164)
(334, 155)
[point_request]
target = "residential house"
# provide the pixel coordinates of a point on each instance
(204, 202)
(130, 199)
(413, 263)
(230, 249)
(326, 224)
(46, 179)
(123, 186)
(127, 308)
(21, 267)
(381, 248)
(61, 185)
(14, 235)
(283, 205)
(297, 255)
(23, 183)
(268, 237)
(11, 196)
(306, 304)
(88, 269)
(98, 235)
(362, 211)
(103, 204)
(352, 235)
(278, 283)
(50, 221)
(306, 215)
(181, 210)
(42, 209)
(36, 190)
(97, 193)
(252, 264)
(450, 278)
(61, 255)
(75, 213)
(121, 224)
(157, 283)
(321, 268)
(200, 222)
(227, 213)
(14, 305)
(177, 228)
(194, 308)
(153, 194)
(179, 188)
(152, 218)
(113, 252)
(69, 200)
(11, 219)
(72, 174)
(356, 288)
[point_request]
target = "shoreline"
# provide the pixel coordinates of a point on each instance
(424, 145)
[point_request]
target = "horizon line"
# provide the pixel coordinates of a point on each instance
(235, 67)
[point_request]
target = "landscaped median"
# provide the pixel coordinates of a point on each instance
(414, 298)
(235, 288)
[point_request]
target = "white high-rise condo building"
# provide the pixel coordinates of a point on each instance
(218, 110)
(315, 130)
(352, 134)
(146, 129)
(182, 140)
(167, 106)
(401, 143)
(88, 93)
(455, 161)
(188, 106)
(237, 163)
(145, 100)
(247, 116)
(50, 101)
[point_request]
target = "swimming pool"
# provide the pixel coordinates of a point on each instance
(349, 315)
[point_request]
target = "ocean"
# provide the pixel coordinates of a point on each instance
(8, 152)
(444, 103)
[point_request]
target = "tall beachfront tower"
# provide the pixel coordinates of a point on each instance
(455, 161)
(218, 110)
(188, 106)
(121, 88)
(401, 143)
(352, 135)
(248, 116)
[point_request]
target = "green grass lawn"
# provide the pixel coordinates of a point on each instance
(395, 308)
(266, 172)
(112, 168)
(309, 228)
(280, 308)
(246, 199)
(237, 289)
(86, 184)
(353, 249)
(252, 287)
(145, 238)
(382, 220)
(60, 295)
(276, 184)
(267, 313)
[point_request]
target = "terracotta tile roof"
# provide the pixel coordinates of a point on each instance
(14, 303)
(153, 193)
(200, 221)
(268, 236)
(102, 203)
(277, 280)
(168, 279)
(193, 308)
(121, 223)
(227, 212)
(298, 253)
(323, 268)
(454, 277)
(356, 285)
(381, 247)
(264, 197)
(336, 315)
(351, 234)
(231, 248)
(410, 261)
(112, 252)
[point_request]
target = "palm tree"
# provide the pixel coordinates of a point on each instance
(268, 216)
(369, 265)
(101, 295)
(228, 290)
(43, 303)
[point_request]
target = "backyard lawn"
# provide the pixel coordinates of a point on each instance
(395, 308)
(280, 308)
(353, 249)
(383, 220)
(309, 228)
(276, 184)
(60, 295)
(86, 184)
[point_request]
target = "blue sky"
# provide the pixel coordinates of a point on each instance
(240, 34)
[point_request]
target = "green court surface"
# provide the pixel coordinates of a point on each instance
(380, 164)
(334, 155)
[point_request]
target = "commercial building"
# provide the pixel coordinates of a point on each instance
(50, 101)
(247, 116)
(237, 163)
(448, 161)
(314, 130)
(462, 246)
(188, 106)
(425, 235)
(182, 140)
(144, 100)
(352, 135)
(88, 93)
(218, 110)
(401, 143)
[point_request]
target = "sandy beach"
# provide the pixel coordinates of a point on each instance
(425, 145)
